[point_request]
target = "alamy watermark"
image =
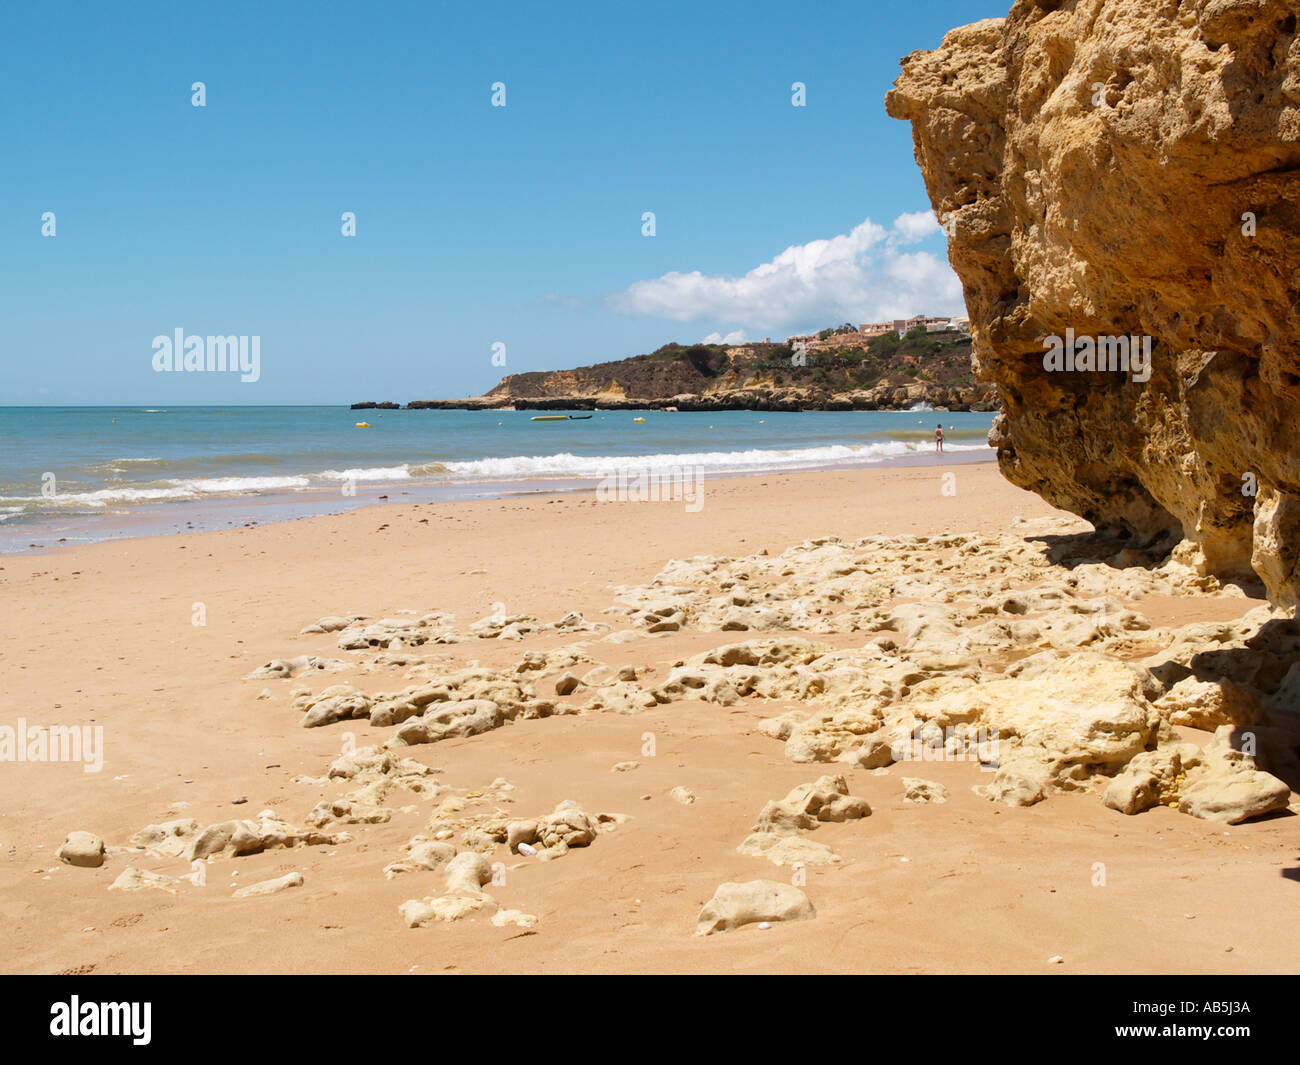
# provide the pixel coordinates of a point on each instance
(654, 484)
(951, 744)
(77, 1018)
(179, 353)
(53, 743)
(1101, 354)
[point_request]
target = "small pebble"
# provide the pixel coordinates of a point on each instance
(527, 849)
(239, 801)
(764, 925)
(1055, 959)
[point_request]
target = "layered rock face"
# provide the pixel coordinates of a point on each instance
(760, 376)
(1131, 168)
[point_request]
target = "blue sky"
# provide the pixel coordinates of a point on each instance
(476, 224)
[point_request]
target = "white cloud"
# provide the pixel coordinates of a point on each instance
(736, 336)
(917, 226)
(864, 275)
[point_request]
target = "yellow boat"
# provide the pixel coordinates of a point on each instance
(550, 418)
(638, 419)
(363, 425)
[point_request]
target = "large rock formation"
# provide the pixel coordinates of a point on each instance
(845, 372)
(1132, 168)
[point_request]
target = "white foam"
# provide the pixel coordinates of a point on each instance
(193, 489)
(236, 485)
(378, 473)
(104, 496)
(567, 465)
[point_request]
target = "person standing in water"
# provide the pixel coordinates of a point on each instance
(938, 439)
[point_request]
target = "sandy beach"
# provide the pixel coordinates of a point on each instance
(105, 635)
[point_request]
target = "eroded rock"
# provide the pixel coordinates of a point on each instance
(736, 904)
(270, 887)
(1021, 126)
(83, 849)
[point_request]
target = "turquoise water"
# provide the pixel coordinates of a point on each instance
(66, 463)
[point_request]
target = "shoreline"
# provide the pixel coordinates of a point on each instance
(53, 533)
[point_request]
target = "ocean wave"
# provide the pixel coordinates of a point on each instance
(240, 485)
(378, 473)
(165, 490)
(181, 465)
(101, 497)
(568, 465)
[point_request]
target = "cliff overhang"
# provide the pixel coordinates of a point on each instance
(1114, 169)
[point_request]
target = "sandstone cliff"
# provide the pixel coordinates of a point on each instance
(1132, 168)
(888, 372)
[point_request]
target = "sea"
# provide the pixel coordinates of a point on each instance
(73, 475)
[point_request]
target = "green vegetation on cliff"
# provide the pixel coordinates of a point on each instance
(842, 371)
(677, 369)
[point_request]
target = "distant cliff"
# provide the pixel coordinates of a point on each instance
(884, 373)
